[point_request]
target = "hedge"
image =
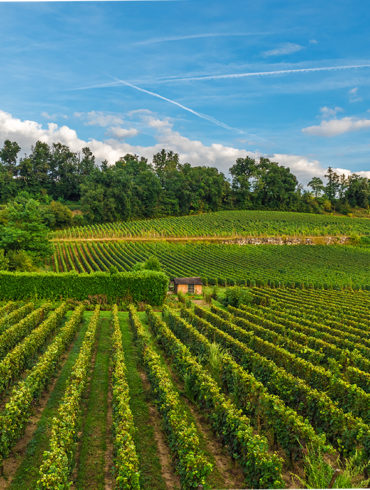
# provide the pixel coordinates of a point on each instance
(146, 286)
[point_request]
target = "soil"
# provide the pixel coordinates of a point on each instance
(171, 479)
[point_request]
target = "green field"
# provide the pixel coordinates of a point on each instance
(217, 263)
(256, 396)
(226, 224)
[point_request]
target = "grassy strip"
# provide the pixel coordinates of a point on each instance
(91, 464)
(146, 447)
(28, 472)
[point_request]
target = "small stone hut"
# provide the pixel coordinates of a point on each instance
(188, 285)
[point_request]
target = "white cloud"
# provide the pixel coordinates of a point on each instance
(353, 95)
(55, 116)
(286, 48)
(26, 133)
(327, 112)
(334, 127)
(99, 118)
(122, 133)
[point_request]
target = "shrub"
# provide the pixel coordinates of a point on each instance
(237, 296)
(148, 286)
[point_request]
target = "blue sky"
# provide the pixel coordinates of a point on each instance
(213, 80)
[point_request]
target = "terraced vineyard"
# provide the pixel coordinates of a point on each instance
(224, 224)
(230, 264)
(196, 395)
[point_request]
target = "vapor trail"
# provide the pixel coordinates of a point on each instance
(264, 73)
(198, 114)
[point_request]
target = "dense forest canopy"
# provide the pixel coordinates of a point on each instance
(136, 188)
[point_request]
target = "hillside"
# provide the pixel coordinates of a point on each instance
(225, 224)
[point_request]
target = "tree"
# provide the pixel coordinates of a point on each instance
(24, 230)
(275, 186)
(316, 185)
(332, 186)
(242, 172)
(9, 154)
(358, 191)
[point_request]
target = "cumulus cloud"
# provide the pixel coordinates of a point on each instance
(122, 133)
(334, 127)
(99, 118)
(26, 133)
(327, 112)
(286, 48)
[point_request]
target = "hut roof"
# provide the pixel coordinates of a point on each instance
(187, 280)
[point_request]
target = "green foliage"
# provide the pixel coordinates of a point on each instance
(225, 224)
(4, 261)
(237, 296)
(147, 286)
(17, 411)
(57, 215)
(57, 461)
(23, 234)
(261, 468)
(320, 474)
(191, 464)
(343, 430)
(247, 265)
(151, 264)
(126, 461)
(19, 261)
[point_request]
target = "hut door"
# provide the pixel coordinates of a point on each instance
(191, 288)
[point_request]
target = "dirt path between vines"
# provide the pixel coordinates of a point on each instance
(171, 479)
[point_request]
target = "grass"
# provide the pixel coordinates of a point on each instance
(91, 461)
(28, 472)
(150, 468)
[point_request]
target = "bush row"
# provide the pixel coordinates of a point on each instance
(145, 286)
(261, 468)
(192, 465)
(360, 378)
(320, 309)
(337, 346)
(13, 315)
(126, 462)
(267, 412)
(8, 307)
(17, 332)
(343, 430)
(350, 397)
(342, 339)
(311, 348)
(58, 460)
(16, 360)
(14, 417)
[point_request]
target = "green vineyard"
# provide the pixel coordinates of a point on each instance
(271, 393)
(224, 224)
(224, 263)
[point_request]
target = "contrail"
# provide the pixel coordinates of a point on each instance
(198, 114)
(202, 35)
(264, 73)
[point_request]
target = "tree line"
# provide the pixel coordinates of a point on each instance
(133, 187)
